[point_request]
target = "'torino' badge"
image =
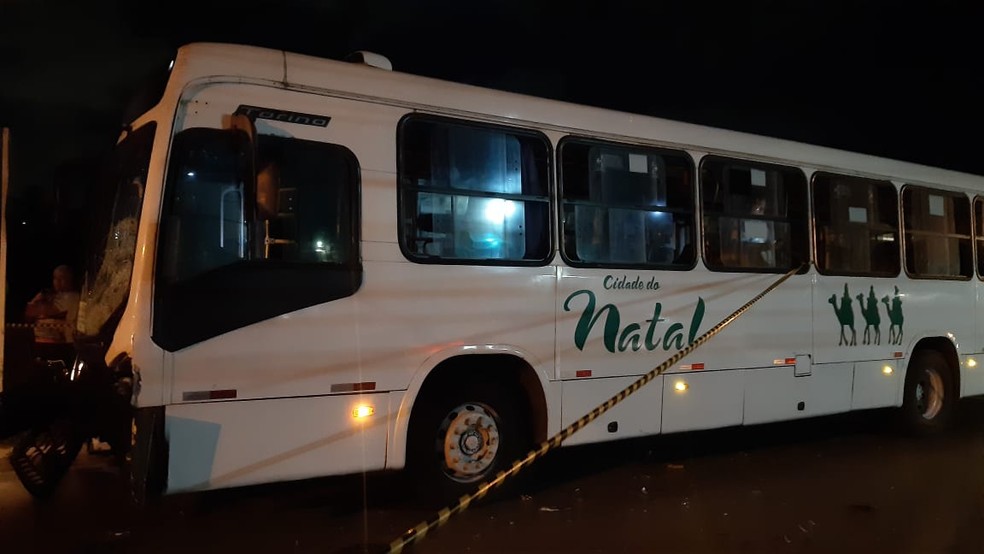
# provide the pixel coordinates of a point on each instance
(254, 112)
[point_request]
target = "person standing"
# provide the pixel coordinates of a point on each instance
(55, 311)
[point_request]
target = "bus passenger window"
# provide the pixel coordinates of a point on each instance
(857, 226)
(626, 206)
(473, 194)
(755, 216)
(979, 234)
(937, 233)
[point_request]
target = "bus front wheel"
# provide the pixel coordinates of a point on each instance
(930, 393)
(461, 438)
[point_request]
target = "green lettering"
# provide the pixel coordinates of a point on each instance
(677, 330)
(588, 319)
(695, 322)
(627, 336)
(650, 345)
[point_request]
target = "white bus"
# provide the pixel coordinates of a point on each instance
(316, 267)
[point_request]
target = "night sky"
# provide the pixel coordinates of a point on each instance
(886, 79)
(902, 82)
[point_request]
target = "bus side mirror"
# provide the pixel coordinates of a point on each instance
(243, 123)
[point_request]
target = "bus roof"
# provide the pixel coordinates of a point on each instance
(248, 63)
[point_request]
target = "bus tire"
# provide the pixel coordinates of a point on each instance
(462, 436)
(930, 394)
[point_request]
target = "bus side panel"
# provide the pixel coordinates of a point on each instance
(889, 317)
(875, 386)
(710, 400)
(410, 312)
(412, 317)
(607, 326)
(841, 328)
(852, 325)
(936, 308)
(635, 416)
(626, 322)
(877, 322)
(971, 375)
(776, 394)
(972, 378)
(224, 444)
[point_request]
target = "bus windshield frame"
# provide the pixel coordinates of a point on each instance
(112, 240)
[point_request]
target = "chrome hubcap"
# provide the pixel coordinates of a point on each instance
(468, 441)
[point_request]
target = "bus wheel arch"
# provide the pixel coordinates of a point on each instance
(931, 387)
(472, 416)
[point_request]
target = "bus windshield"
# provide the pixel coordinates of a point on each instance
(113, 233)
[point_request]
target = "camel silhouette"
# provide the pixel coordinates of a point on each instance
(895, 316)
(871, 317)
(845, 315)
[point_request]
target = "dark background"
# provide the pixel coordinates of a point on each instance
(894, 80)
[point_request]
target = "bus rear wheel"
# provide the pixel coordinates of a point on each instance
(930, 393)
(462, 438)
